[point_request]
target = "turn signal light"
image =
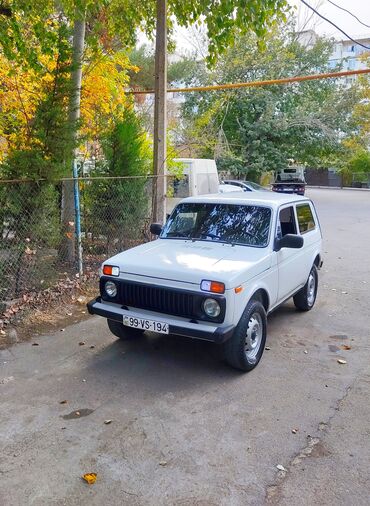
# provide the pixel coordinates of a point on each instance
(110, 270)
(212, 286)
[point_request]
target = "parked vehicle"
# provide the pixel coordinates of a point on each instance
(199, 177)
(248, 186)
(290, 180)
(221, 264)
(229, 188)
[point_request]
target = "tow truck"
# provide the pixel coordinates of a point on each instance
(290, 180)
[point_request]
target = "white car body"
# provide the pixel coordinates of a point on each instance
(228, 188)
(179, 266)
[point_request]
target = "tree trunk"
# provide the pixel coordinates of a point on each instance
(68, 206)
(160, 114)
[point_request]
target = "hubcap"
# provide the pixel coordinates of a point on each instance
(253, 338)
(311, 285)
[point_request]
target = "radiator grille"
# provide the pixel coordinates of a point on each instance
(162, 300)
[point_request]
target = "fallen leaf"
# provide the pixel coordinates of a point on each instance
(163, 463)
(81, 343)
(280, 467)
(90, 478)
(2, 332)
(341, 361)
(69, 314)
(346, 347)
(35, 344)
(107, 422)
(82, 299)
(63, 402)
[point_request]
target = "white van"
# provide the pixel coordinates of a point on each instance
(199, 176)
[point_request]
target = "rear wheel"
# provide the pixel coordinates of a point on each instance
(123, 332)
(245, 348)
(305, 299)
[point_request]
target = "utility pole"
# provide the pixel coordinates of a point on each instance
(70, 190)
(160, 115)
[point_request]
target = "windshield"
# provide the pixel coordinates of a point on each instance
(231, 223)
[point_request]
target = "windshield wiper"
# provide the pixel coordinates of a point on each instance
(208, 234)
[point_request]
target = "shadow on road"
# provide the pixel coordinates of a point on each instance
(162, 360)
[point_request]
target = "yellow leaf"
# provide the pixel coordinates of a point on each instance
(90, 478)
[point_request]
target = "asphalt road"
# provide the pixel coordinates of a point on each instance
(188, 430)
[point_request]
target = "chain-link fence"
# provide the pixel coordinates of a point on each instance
(34, 244)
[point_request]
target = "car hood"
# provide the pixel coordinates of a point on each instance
(190, 262)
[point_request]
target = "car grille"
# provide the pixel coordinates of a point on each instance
(157, 299)
(162, 300)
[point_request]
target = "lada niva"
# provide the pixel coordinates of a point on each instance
(220, 265)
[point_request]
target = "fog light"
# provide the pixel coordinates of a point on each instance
(212, 308)
(110, 289)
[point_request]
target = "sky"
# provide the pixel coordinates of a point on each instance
(361, 8)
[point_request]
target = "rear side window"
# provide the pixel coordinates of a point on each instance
(306, 221)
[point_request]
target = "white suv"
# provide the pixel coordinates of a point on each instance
(220, 265)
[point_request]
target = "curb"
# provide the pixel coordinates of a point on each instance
(338, 188)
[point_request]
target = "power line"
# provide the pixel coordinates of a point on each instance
(333, 24)
(349, 12)
(251, 84)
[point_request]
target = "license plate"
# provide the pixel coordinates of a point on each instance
(143, 323)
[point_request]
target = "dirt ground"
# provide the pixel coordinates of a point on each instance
(184, 428)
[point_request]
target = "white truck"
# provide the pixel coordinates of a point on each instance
(221, 264)
(199, 176)
(290, 180)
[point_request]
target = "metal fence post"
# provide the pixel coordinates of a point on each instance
(77, 217)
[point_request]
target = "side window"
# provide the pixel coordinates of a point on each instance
(286, 222)
(306, 221)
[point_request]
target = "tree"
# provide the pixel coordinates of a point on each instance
(259, 129)
(117, 208)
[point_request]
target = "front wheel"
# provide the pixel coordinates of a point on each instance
(123, 332)
(245, 348)
(304, 300)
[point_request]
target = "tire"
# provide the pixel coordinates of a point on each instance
(249, 333)
(123, 332)
(304, 300)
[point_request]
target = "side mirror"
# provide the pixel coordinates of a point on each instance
(155, 228)
(289, 241)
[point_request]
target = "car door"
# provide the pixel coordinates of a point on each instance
(291, 272)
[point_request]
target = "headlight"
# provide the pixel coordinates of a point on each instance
(212, 308)
(110, 289)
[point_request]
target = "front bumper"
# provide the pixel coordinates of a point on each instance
(181, 328)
